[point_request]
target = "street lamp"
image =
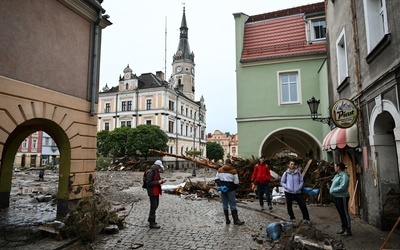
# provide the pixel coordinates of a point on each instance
(313, 105)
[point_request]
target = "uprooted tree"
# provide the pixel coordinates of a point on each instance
(317, 173)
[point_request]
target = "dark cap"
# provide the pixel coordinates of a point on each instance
(262, 157)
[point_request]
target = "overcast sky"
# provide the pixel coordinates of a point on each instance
(145, 35)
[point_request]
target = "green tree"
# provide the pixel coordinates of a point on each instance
(102, 145)
(214, 151)
(113, 144)
(145, 137)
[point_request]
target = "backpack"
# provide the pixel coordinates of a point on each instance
(146, 171)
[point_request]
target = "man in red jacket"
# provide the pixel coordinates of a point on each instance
(154, 191)
(261, 177)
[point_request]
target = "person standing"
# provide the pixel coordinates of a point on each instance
(261, 177)
(227, 181)
(341, 196)
(293, 181)
(153, 184)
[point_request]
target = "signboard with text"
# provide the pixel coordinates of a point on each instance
(344, 113)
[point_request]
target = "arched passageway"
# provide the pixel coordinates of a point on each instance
(293, 141)
(10, 149)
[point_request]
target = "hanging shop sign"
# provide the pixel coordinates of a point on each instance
(344, 113)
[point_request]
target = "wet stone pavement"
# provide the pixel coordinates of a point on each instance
(185, 224)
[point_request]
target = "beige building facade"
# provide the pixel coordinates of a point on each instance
(150, 99)
(49, 72)
(228, 142)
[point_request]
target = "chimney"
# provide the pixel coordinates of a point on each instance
(160, 75)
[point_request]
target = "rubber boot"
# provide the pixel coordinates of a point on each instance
(235, 217)
(153, 223)
(226, 212)
(347, 232)
(342, 231)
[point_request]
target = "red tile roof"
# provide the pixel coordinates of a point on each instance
(280, 34)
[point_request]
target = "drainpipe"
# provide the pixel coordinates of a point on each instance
(357, 64)
(95, 61)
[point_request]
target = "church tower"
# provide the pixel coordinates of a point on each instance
(183, 63)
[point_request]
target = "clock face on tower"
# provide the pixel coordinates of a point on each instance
(126, 75)
(179, 69)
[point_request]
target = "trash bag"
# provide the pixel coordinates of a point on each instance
(274, 230)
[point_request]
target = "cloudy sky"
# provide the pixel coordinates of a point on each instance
(145, 35)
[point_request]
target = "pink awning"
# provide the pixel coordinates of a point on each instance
(340, 138)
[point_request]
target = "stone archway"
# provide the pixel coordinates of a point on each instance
(298, 140)
(10, 149)
(66, 119)
(384, 138)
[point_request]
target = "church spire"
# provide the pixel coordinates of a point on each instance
(183, 53)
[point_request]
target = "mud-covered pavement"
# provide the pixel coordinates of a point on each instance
(182, 219)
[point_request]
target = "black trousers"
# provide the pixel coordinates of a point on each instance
(300, 201)
(154, 201)
(342, 206)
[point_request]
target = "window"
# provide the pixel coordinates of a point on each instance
(171, 150)
(123, 106)
(288, 82)
(191, 113)
(127, 86)
(376, 23)
(186, 111)
(318, 30)
(182, 110)
(171, 105)
(107, 126)
(129, 108)
(170, 126)
(123, 124)
(181, 129)
(341, 57)
(46, 141)
(25, 143)
(186, 132)
(148, 104)
(129, 124)
(148, 122)
(107, 109)
(34, 144)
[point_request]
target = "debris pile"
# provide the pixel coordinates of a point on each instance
(289, 235)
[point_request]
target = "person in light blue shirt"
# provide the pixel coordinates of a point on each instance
(341, 196)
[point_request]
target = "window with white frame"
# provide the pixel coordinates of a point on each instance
(341, 54)
(107, 126)
(123, 124)
(129, 107)
(376, 23)
(289, 87)
(318, 30)
(123, 106)
(25, 144)
(129, 124)
(148, 122)
(107, 109)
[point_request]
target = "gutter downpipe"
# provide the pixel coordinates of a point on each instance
(95, 62)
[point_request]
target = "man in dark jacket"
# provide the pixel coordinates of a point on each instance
(227, 181)
(154, 191)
